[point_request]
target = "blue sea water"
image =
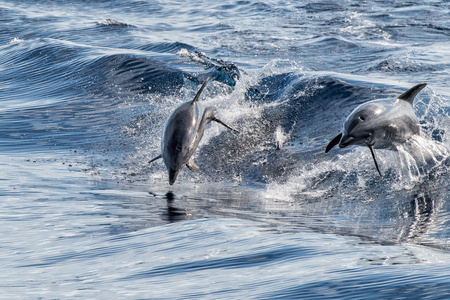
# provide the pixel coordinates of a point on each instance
(86, 87)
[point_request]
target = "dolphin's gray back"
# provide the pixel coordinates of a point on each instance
(184, 129)
(397, 125)
(395, 122)
(180, 132)
(383, 123)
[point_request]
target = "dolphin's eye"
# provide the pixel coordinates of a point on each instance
(362, 118)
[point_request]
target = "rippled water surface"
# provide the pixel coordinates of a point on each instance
(86, 88)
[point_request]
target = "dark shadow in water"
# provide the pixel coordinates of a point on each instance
(411, 216)
(174, 214)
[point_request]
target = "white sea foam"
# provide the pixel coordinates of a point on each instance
(111, 22)
(14, 41)
(402, 170)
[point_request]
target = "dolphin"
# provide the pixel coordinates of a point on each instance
(182, 134)
(380, 124)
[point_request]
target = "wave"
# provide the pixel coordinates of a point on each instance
(301, 113)
(399, 66)
(122, 98)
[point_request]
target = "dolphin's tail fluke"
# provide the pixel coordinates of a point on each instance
(375, 159)
(227, 126)
(200, 91)
(156, 158)
(410, 94)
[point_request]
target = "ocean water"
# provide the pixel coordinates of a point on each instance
(86, 87)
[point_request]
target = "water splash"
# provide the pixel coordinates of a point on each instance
(15, 41)
(281, 136)
(420, 157)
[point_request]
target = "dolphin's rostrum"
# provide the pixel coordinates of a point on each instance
(182, 134)
(380, 124)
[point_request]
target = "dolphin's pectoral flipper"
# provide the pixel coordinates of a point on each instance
(374, 159)
(410, 94)
(192, 166)
(156, 158)
(220, 122)
(333, 142)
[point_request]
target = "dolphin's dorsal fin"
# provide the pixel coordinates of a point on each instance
(200, 91)
(410, 94)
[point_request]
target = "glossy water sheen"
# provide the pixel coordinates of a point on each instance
(85, 90)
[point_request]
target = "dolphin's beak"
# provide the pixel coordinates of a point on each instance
(346, 140)
(333, 142)
(173, 176)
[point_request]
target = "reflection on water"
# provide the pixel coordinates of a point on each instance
(417, 216)
(174, 214)
(421, 215)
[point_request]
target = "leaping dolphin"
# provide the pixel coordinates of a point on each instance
(182, 134)
(380, 124)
